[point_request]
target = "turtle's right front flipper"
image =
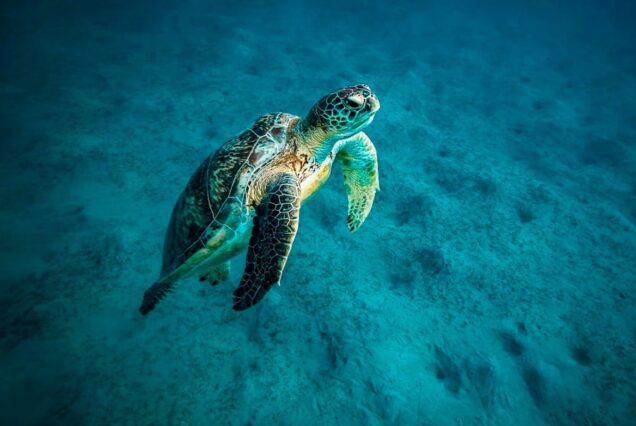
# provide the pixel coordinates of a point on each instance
(275, 226)
(360, 169)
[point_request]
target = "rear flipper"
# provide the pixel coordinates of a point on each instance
(154, 294)
(216, 274)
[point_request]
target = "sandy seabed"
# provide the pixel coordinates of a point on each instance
(493, 283)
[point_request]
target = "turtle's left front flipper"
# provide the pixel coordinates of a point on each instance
(360, 165)
(275, 226)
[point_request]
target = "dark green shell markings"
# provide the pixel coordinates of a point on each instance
(199, 211)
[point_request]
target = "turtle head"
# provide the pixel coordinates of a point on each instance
(344, 112)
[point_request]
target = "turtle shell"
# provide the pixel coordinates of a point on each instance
(216, 191)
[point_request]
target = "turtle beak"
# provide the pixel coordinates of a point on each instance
(374, 104)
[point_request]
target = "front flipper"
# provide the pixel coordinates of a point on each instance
(360, 165)
(274, 230)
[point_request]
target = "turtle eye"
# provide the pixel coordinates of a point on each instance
(355, 101)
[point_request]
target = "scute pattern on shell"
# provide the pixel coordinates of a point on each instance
(217, 186)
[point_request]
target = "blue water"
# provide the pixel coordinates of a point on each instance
(493, 283)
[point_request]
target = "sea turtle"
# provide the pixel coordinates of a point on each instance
(248, 194)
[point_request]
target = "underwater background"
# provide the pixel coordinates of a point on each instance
(493, 283)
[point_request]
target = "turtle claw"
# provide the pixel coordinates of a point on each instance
(204, 278)
(216, 274)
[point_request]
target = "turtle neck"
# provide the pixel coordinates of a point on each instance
(314, 139)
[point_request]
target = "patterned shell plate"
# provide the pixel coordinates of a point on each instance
(215, 194)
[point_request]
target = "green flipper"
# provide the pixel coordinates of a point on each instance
(360, 166)
(275, 226)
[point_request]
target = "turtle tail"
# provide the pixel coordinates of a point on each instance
(154, 294)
